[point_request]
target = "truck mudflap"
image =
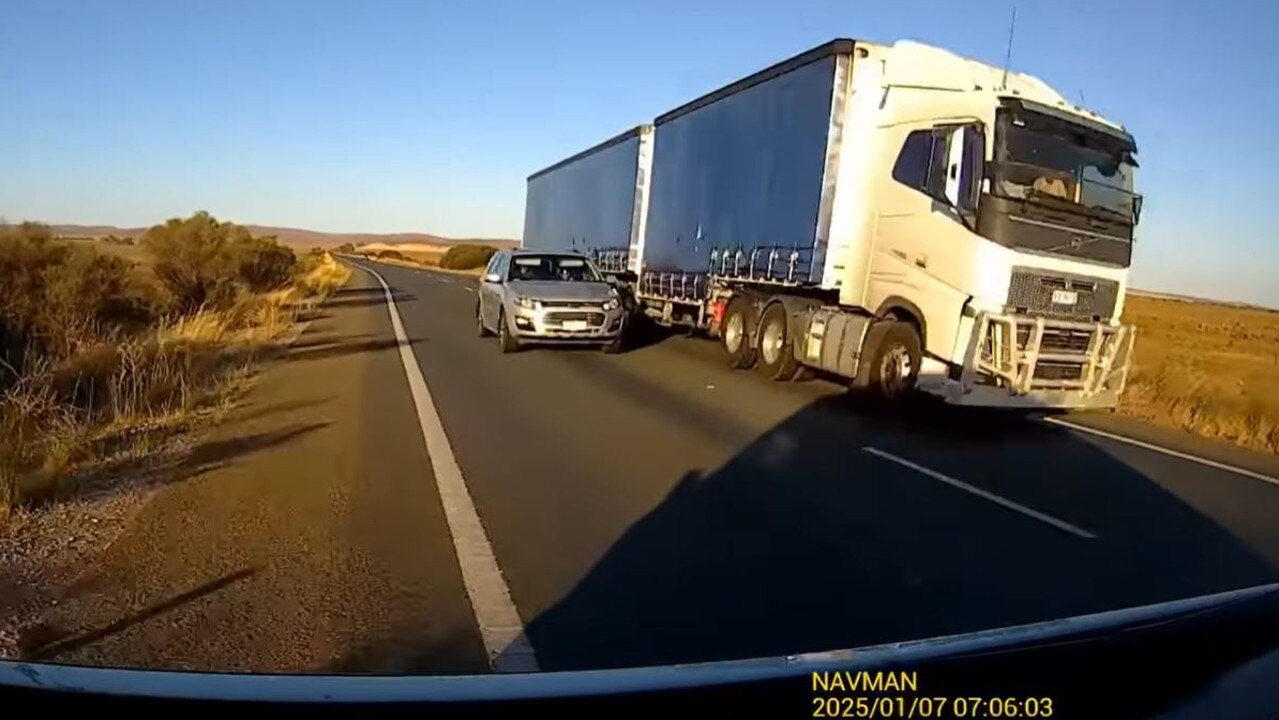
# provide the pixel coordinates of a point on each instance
(1036, 362)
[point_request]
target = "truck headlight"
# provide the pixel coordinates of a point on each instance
(527, 303)
(611, 304)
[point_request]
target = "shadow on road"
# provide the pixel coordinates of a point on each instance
(320, 348)
(356, 297)
(219, 453)
(45, 643)
(413, 650)
(805, 542)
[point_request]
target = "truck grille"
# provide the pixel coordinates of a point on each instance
(1060, 340)
(1059, 371)
(1031, 292)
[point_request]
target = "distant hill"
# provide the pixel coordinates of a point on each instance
(297, 237)
(1191, 299)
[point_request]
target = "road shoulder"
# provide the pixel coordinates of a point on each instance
(303, 534)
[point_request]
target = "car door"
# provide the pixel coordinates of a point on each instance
(490, 292)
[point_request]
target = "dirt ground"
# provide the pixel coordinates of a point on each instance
(1206, 368)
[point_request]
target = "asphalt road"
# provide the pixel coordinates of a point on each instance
(656, 507)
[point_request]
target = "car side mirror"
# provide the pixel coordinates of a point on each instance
(493, 278)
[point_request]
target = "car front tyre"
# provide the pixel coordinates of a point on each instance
(506, 340)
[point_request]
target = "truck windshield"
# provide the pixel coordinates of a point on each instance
(564, 268)
(1054, 163)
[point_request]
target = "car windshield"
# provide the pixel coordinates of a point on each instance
(562, 268)
(1047, 160)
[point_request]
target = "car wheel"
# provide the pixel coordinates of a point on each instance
(891, 355)
(614, 346)
(736, 332)
(776, 356)
(505, 339)
(479, 323)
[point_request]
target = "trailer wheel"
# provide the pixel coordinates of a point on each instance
(735, 336)
(776, 356)
(505, 340)
(891, 355)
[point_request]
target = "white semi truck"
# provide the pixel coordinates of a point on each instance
(895, 215)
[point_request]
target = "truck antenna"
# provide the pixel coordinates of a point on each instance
(1083, 101)
(1008, 55)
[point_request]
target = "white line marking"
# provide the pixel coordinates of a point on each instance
(1165, 451)
(1003, 502)
(444, 280)
(499, 622)
(469, 289)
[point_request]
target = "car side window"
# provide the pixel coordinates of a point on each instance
(493, 263)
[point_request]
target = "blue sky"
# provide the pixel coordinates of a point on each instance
(427, 116)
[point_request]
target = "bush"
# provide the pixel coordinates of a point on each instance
(390, 255)
(56, 297)
(466, 257)
(346, 248)
(205, 262)
(264, 264)
(117, 240)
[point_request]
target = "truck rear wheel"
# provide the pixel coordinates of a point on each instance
(776, 355)
(891, 354)
(736, 333)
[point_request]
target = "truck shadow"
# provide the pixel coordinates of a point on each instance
(803, 542)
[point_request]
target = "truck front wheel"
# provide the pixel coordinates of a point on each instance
(735, 335)
(889, 365)
(776, 356)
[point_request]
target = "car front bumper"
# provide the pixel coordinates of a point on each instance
(580, 323)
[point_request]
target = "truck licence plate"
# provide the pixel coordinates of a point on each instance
(1065, 297)
(574, 325)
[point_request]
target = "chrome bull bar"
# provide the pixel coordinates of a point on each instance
(1027, 355)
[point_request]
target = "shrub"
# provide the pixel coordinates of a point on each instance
(391, 255)
(205, 262)
(466, 257)
(264, 264)
(346, 248)
(56, 297)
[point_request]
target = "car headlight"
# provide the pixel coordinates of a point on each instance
(611, 304)
(528, 303)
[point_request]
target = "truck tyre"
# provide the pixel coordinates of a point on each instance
(890, 360)
(736, 334)
(479, 323)
(776, 354)
(505, 339)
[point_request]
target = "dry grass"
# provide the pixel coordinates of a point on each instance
(1208, 369)
(121, 399)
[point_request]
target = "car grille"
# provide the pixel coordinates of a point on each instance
(1031, 293)
(591, 318)
(574, 304)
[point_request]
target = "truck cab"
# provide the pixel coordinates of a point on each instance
(1002, 229)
